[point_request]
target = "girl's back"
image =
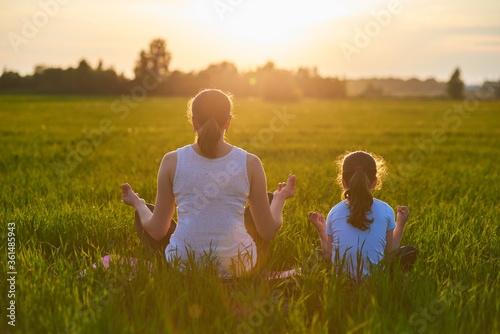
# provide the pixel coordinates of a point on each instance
(369, 245)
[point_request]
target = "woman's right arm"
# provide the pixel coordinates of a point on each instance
(156, 223)
(268, 218)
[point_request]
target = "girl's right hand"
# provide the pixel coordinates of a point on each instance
(318, 221)
(402, 216)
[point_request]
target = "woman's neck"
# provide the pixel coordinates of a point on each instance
(223, 148)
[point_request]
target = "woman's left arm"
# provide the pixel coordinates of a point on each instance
(156, 223)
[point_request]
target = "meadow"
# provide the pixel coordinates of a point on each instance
(64, 159)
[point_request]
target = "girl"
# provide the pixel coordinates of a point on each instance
(358, 229)
(210, 181)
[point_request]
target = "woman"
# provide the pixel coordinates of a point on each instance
(211, 181)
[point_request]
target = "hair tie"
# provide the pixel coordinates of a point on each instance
(359, 167)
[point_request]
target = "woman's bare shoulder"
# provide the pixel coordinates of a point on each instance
(169, 164)
(170, 157)
(253, 162)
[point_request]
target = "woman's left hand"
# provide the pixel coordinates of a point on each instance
(130, 197)
(286, 189)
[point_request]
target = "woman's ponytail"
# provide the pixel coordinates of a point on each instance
(360, 200)
(211, 109)
(209, 136)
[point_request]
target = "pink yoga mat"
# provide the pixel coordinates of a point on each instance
(270, 275)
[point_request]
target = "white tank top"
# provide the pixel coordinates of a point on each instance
(211, 195)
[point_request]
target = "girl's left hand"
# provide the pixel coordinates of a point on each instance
(402, 215)
(131, 198)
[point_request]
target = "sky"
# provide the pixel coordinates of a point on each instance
(350, 38)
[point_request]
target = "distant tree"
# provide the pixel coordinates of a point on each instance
(313, 85)
(490, 89)
(39, 69)
(10, 80)
(455, 86)
(141, 65)
(84, 66)
(268, 67)
(155, 62)
(372, 90)
(55, 80)
(159, 56)
(277, 84)
(85, 78)
(222, 75)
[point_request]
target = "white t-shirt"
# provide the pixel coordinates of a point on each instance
(351, 241)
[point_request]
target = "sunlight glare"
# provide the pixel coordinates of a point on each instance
(278, 22)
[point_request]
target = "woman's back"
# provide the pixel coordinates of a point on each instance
(351, 241)
(211, 195)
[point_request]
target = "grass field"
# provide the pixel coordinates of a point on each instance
(64, 158)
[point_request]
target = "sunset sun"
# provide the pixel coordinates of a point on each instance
(276, 24)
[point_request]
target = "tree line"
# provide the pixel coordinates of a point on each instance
(267, 81)
(51, 80)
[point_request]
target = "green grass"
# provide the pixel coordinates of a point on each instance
(69, 215)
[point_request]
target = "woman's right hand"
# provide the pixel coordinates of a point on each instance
(318, 221)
